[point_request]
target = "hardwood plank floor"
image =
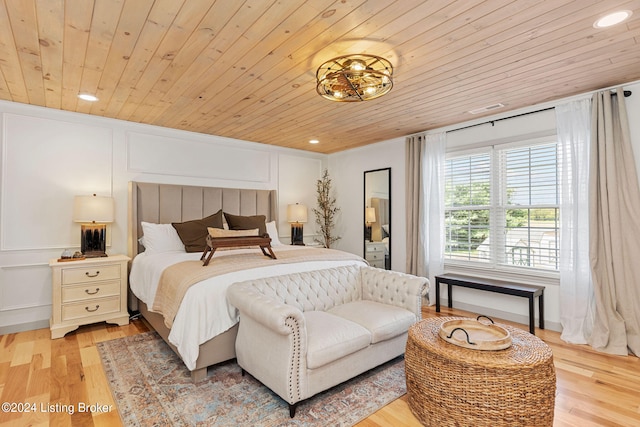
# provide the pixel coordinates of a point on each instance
(54, 376)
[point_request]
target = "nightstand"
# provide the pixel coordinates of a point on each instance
(88, 291)
(375, 254)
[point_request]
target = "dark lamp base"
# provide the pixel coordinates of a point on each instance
(94, 254)
(93, 240)
(296, 234)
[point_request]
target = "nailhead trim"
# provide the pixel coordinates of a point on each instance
(294, 366)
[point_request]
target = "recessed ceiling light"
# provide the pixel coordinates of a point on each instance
(612, 19)
(87, 97)
(313, 141)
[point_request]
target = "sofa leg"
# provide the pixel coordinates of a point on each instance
(292, 409)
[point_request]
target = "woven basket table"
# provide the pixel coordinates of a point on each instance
(448, 385)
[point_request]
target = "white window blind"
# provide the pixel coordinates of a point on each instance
(467, 206)
(501, 207)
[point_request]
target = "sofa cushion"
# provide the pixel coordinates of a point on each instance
(382, 320)
(331, 337)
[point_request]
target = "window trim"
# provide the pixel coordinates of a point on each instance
(494, 268)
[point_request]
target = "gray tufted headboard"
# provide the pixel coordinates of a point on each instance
(166, 203)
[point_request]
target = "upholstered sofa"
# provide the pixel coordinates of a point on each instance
(302, 333)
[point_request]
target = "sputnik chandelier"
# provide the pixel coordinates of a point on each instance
(352, 78)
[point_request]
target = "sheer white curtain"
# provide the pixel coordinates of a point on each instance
(425, 206)
(576, 290)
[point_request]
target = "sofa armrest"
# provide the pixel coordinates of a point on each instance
(391, 287)
(267, 311)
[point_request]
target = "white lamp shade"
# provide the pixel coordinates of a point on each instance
(98, 209)
(296, 213)
(370, 215)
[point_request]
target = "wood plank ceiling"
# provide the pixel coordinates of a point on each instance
(246, 69)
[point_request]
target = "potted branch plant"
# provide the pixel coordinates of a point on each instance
(326, 210)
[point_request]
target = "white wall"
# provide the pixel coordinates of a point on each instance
(633, 112)
(49, 156)
(347, 169)
(298, 177)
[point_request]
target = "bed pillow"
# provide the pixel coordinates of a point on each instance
(158, 238)
(385, 230)
(273, 233)
(219, 232)
(194, 233)
(238, 222)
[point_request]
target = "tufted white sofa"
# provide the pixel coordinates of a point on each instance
(302, 333)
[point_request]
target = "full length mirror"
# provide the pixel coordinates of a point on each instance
(377, 217)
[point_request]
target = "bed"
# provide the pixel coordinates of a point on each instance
(204, 327)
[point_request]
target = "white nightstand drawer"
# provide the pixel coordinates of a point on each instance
(90, 274)
(377, 263)
(90, 308)
(90, 291)
(372, 256)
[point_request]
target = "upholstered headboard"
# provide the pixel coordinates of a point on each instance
(166, 203)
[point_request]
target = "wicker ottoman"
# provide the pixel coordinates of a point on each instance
(448, 385)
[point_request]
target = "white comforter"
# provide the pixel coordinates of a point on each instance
(205, 304)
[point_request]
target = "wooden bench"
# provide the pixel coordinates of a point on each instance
(499, 286)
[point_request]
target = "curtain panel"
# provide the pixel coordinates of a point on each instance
(425, 160)
(416, 262)
(576, 289)
(614, 211)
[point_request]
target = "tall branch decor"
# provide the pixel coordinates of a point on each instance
(326, 210)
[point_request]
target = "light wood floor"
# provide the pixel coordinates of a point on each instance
(52, 376)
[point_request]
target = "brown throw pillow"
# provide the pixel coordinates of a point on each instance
(194, 233)
(238, 222)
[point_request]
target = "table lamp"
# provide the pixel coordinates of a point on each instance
(369, 218)
(93, 212)
(296, 216)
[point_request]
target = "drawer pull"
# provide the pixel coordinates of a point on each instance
(95, 309)
(92, 293)
(92, 275)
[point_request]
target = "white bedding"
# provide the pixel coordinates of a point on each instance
(205, 303)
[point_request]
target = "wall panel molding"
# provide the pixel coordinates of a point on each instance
(14, 292)
(45, 163)
(195, 158)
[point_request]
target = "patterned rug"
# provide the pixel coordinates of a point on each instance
(151, 386)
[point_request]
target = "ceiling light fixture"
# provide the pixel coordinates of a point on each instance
(352, 78)
(87, 97)
(313, 141)
(612, 19)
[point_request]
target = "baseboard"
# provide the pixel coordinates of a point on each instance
(23, 327)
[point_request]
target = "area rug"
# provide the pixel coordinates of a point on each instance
(152, 387)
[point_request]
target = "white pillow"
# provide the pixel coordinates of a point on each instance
(272, 231)
(158, 238)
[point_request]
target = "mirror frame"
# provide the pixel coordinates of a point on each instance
(364, 211)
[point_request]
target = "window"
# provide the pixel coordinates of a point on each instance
(501, 206)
